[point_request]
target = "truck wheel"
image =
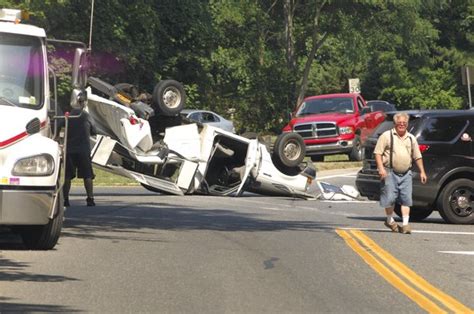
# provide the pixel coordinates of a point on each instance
(416, 213)
(169, 97)
(44, 237)
(456, 202)
(289, 149)
(357, 153)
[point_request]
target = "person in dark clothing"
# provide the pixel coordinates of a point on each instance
(78, 160)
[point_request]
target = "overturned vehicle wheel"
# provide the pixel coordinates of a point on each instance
(169, 97)
(289, 151)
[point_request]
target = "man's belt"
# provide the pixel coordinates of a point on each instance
(400, 174)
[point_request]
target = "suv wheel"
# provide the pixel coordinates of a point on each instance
(456, 202)
(416, 213)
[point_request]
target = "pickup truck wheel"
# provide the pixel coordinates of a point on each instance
(289, 149)
(169, 97)
(416, 213)
(456, 202)
(357, 153)
(44, 237)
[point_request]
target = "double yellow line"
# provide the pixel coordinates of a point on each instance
(407, 281)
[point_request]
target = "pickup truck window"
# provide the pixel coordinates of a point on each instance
(324, 105)
(360, 104)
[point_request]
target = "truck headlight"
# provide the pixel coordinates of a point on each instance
(39, 165)
(346, 130)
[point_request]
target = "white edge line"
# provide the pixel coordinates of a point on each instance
(458, 252)
(413, 231)
(350, 175)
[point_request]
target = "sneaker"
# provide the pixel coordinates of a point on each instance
(392, 226)
(90, 201)
(66, 202)
(405, 229)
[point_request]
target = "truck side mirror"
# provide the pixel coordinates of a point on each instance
(366, 110)
(79, 79)
(79, 69)
(78, 98)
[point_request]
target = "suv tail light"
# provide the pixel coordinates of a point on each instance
(423, 148)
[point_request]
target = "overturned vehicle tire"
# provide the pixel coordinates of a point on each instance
(289, 150)
(169, 97)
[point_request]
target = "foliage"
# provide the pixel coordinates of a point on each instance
(251, 58)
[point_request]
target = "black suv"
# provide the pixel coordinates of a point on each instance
(445, 138)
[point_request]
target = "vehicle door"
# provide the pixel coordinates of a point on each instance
(467, 139)
(364, 122)
(441, 140)
(195, 116)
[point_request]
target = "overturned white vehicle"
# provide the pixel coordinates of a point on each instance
(190, 158)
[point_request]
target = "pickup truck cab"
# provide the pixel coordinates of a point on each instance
(334, 124)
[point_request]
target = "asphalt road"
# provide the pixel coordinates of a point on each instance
(141, 252)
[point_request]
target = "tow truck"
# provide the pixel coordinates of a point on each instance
(31, 150)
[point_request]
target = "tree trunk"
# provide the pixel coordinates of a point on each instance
(316, 44)
(289, 8)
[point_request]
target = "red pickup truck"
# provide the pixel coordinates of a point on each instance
(334, 124)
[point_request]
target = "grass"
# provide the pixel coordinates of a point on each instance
(104, 178)
(337, 162)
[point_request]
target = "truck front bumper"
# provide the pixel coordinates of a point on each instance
(339, 147)
(25, 207)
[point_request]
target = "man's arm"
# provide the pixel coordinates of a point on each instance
(380, 167)
(419, 164)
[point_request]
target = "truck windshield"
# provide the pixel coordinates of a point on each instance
(21, 71)
(323, 105)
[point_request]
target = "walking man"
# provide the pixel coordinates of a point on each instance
(394, 153)
(78, 160)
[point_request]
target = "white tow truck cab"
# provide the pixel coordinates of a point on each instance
(30, 153)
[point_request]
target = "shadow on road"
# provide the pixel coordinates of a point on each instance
(29, 308)
(14, 271)
(140, 219)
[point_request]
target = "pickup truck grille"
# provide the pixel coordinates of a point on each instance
(317, 130)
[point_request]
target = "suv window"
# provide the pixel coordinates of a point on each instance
(442, 129)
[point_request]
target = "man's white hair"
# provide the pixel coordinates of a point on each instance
(399, 115)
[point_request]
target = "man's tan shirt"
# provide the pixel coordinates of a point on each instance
(404, 150)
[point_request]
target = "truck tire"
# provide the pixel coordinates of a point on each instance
(357, 153)
(456, 202)
(289, 149)
(169, 97)
(46, 236)
(416, 213)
